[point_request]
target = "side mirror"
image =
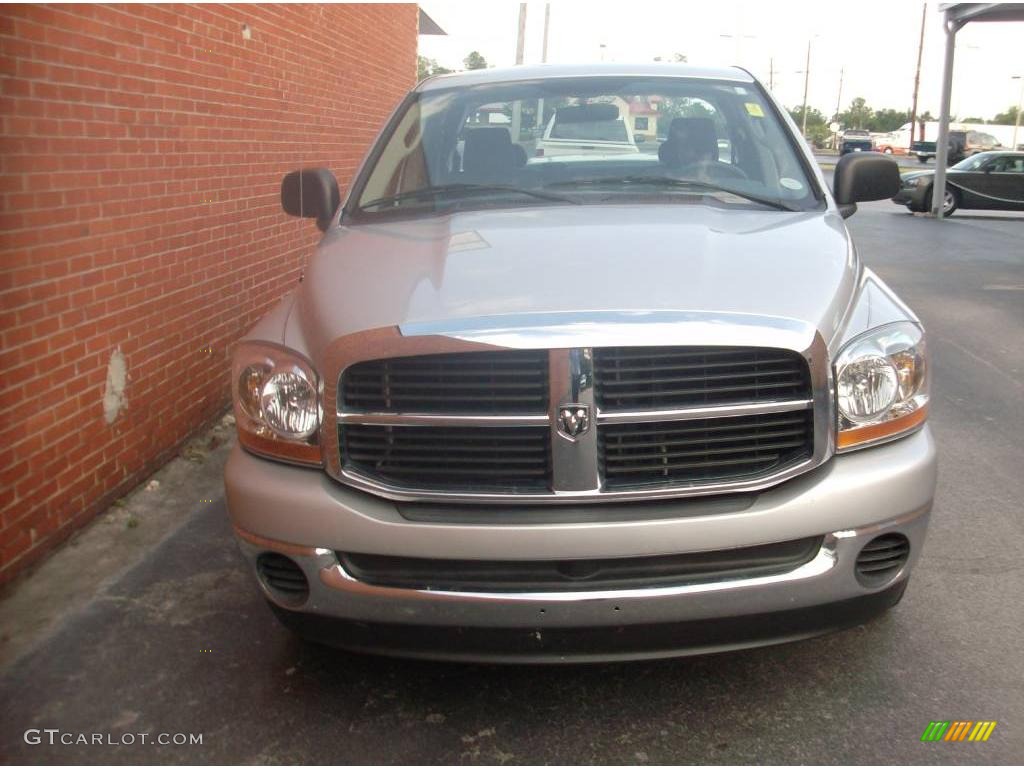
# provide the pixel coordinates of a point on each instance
(863, 176)
(311, 193)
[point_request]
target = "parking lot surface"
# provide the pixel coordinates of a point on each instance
(184, 643)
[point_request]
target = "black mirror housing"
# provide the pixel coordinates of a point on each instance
(311, 193)
(863, 176)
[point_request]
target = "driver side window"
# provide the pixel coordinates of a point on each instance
(1008, 165)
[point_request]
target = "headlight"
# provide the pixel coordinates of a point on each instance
(277, 402)
(881, 385)
(912, 182)
(289, 405)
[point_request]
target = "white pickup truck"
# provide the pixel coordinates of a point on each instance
(587, 129)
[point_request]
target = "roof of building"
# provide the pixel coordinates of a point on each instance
(427, 26)
(606, 69)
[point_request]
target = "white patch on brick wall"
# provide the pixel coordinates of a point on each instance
(117, 377)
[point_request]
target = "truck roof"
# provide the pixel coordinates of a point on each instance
(604, 69)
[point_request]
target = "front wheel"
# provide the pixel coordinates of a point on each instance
(888, 150)
(922, 160)
(950, 202)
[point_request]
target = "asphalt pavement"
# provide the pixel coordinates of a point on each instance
(182, 643)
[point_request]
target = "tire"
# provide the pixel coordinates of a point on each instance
(922, 160)
(952, 202)
(887, 150)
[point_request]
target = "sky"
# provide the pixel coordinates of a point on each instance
(873, 43)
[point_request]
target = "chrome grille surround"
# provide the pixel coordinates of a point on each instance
(569, 339)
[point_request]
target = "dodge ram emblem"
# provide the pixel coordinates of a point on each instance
(573, 420)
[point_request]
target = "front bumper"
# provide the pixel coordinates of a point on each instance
(851, 499)
(911, 196)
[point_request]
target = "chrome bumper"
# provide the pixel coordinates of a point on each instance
(827, 578)
(851, 499)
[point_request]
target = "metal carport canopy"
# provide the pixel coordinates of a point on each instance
(956, 16)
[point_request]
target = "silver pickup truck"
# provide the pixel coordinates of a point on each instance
(583, 407)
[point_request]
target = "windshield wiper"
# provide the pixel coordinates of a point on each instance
(464, 190)
(667, 181)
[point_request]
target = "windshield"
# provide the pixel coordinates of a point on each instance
(581, 141)
(972, 163)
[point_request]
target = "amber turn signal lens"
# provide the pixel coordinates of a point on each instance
(848, 438)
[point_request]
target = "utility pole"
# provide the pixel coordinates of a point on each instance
(917, 77)
(517, 106)
(1020, 101)
(839, 104)
(547, 22)
(521, 39)
(839, 98)
(539, 122)
(807, 80)
(771, 73)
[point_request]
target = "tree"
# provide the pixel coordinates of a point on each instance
(475, 61)
(818, 132)
(887, 120)
(1008, 117)
(426, 67)
(858, 115)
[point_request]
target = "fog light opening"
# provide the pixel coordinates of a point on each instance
(882, 559)
(283, 578)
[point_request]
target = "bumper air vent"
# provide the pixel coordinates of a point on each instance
(881, 559)
(283, 578)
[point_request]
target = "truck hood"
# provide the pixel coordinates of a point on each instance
(488, 265)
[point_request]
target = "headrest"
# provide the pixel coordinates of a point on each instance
(690, 139)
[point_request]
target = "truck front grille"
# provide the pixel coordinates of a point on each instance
(655, 421)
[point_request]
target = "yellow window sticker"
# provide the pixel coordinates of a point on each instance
(754, 110)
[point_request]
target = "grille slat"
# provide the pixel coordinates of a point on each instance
(466, 382)
(643, 378)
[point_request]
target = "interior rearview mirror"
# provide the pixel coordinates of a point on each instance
(863, 176)
(311, 193)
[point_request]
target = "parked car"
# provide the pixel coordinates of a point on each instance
(961, 144)
(855, 141)
(587, 129)
(614, 407)
(991, 181)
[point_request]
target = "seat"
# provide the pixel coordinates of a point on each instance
(690, 140)
(490, 156)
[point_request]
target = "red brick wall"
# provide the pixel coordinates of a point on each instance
(142, 152)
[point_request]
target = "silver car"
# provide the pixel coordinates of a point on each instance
(583, 408)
